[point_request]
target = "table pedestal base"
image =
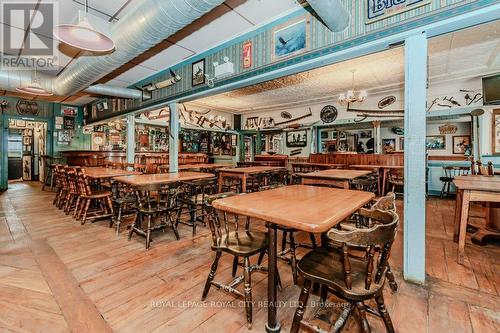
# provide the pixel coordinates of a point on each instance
(483, 234)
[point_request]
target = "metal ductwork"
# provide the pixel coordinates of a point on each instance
(332, 12)
(148, 24)
(107, 90)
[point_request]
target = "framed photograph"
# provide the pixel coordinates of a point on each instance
(290, 38)
(12, 123)
(296, 139)
(461, 144)
(26, 140)
(198, 73)
(246, 51)
(366, 134)
(30, 124)
(324, 135)
(401, 143)
(435, 142)
(146, 93)
(388, 145)
(20, 123)
(496, 132)
(63, 136)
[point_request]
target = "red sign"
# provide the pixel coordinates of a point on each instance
(247, 54)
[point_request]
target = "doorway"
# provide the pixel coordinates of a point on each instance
(27, 141)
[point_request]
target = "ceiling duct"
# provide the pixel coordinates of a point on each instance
(335, 16)
(148, 24)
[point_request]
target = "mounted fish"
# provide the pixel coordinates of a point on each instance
(286, 115)
(386, 101)
(375, 113)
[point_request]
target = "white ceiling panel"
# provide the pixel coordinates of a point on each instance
(259, 11)
(135, 74)
(217, 31)
(119, 83)
(167, 58)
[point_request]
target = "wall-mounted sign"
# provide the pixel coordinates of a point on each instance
(25, 107)
(328, 114)
(296, 139)
(246, 50)
(69, 111)
(381, 9)
(448, 129)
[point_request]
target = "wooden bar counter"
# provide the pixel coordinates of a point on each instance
(82, 157)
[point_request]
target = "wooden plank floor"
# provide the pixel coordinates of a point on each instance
(59, 276)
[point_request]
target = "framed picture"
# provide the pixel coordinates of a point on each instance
(366, 134)
(324, 135)
(296, 139)
(246, 51)
(496, 132)
(20, 123)
(63, 136)
(402, 143)
(388, 145)
(198, 73)
(69, 122)
(12, 123)
(30, 124)
(290, 38)
(69, 111)
(435, 142)
(461, 144)
(146, 93)
(26, 140)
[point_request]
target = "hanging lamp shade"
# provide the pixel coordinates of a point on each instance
(84, 36)
(34, 88)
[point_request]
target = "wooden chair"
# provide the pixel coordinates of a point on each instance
(63, 186)
(192, 199)
(123, 202)
(395, 178)
(352, 279)
(151, 168)
(227, 237)
(155, 204)
(102, 206)
(73, 192)
(450, 172)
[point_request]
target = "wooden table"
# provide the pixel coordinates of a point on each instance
(103, 173)
(197, 166)
(473, 188)
(382, 171)
(243, 173)
(334, 177)
(308, 208)
(317, 166)
(162, 178)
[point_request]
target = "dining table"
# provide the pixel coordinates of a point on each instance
(332, 177)
(316, 166)
(244, 173)
(197, 166)
(382, 171)
(290, 207)
(162, 178)
(475, 188)
(105, 173)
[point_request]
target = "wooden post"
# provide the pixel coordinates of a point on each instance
(130, 138)
(377, 140)
(173, 142)
(414, 157)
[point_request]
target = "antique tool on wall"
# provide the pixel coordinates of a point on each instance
(471, 96)
(163, 84)
(286, 115)
(295, 119)
(450, 102)
(375, 113)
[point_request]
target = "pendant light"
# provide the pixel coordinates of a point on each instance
(84, 36)
(34, 88)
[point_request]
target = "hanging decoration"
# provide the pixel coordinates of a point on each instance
(328, 114)
(448, 129)
(386, 101)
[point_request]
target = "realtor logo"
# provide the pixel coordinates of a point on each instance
(380, 9)
(26, 35)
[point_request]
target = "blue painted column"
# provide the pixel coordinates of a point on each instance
(414, 157)
(173, 142)
(130, 138)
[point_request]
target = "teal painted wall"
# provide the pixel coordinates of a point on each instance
(322, 41)
(47, 112)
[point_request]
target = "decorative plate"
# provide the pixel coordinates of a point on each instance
(328, 114)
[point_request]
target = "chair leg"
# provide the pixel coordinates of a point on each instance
(235, 266)
(148, 233)
(261, 257)
(323, 293)
(118, 220)
(384, 313)
(392, 280)
(248, 292)
(442, 190)
(299, 312)
(174, 227)
(293, 261)
(365, 327)
(77, 206)
(136, 222)
(211, 275)
(85, 210)
(283, 241)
